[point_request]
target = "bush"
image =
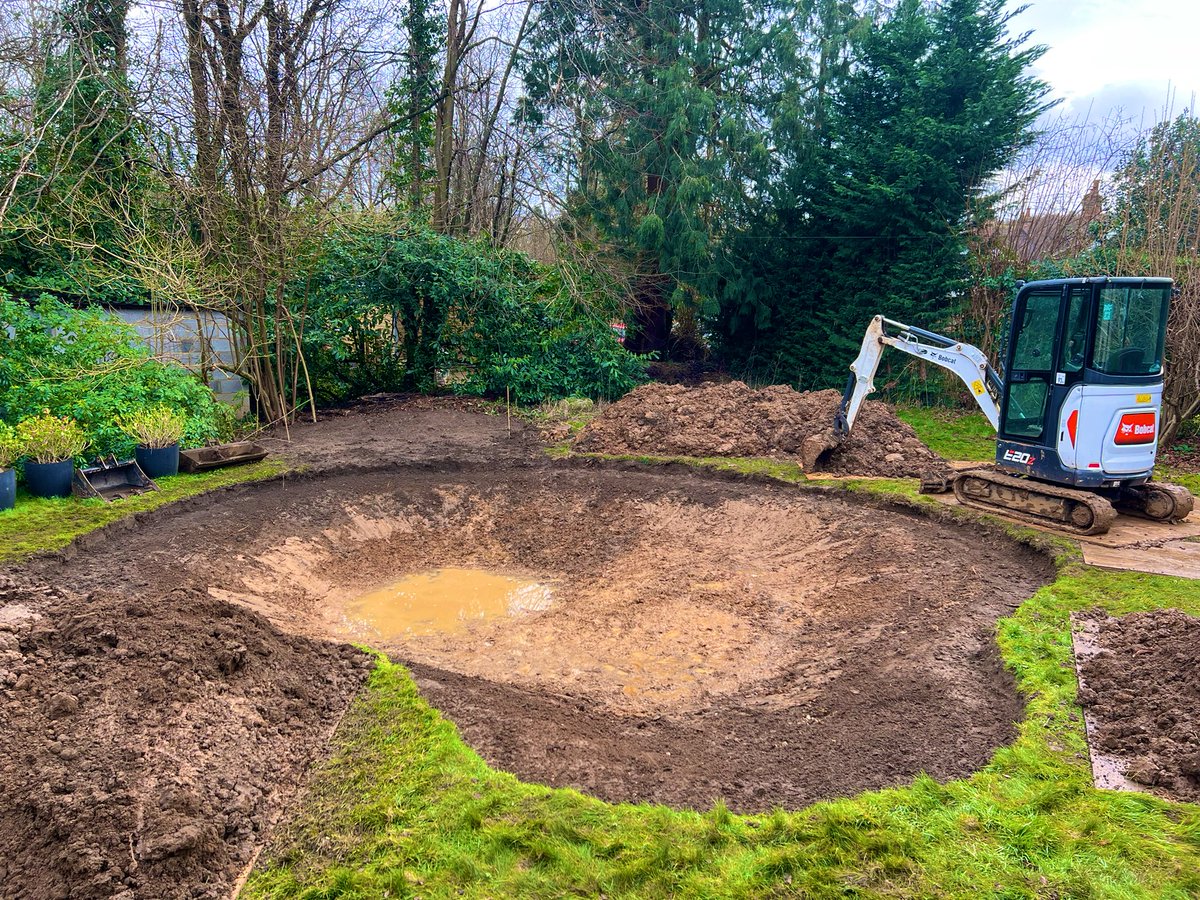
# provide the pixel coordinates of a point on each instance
(155, 428)
(50, 439)
(92, 367)
(389, 306)
(10, 447)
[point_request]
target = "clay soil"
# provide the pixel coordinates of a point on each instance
(732, 419)
(1143, 694)
(709, 637)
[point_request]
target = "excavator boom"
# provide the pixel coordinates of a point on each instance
(966, 361)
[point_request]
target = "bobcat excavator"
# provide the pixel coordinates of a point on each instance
(1076, 405)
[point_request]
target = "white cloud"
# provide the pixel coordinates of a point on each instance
(1135, 56)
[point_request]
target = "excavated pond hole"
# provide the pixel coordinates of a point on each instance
(641, 635)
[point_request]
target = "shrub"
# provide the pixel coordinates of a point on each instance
(155, 428)
(94, 368)
(389, 306)
(10, 447)
(50, 439)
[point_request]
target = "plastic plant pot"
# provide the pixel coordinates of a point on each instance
(49, 479)
(8, 489)
(158, 462)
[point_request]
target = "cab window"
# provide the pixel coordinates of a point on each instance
(1131, 330)
(1034, 351)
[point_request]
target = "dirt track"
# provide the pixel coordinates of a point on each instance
(709, 637)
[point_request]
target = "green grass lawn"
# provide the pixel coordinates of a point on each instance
(38, 524)
(953, 434)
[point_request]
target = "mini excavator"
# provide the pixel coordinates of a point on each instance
(1076, 405)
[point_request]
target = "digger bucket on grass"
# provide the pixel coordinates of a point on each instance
(109, 479)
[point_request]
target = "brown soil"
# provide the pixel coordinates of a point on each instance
(149, 738)
(405, 428)
(1143, 695)
(707, 638)
(734, 420)
(1182, 456)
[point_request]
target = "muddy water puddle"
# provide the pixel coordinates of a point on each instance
(442, 601)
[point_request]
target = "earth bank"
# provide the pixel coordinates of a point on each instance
(731, 419)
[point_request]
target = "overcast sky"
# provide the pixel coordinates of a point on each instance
(1107, 55)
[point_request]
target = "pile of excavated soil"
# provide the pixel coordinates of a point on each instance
(147, 744)
(735, 420)
(1143, 695)
(706, 636)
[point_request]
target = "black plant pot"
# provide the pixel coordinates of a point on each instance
(160, 462)
(49, 479)
(8, 489)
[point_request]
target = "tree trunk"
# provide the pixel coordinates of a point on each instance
(650, 330)
(443, 127)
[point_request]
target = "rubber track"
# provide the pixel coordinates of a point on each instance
(1181, 497)
(1103, 513)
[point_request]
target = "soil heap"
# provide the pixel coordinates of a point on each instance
(145, 749)
(1142, 692)
(732, 419)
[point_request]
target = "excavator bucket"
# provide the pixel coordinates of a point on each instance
(109, 479)
(816, 448)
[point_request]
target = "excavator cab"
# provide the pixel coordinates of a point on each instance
(1082, 381)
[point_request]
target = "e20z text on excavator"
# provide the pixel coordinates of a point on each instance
(1076, 404)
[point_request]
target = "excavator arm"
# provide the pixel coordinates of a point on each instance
(964, 360)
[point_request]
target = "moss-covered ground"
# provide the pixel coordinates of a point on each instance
(37, 524)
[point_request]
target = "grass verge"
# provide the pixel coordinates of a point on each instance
(404, 808)
(37, 524)
(953, 435)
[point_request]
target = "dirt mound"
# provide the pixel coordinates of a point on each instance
(1143, 695)
(735, 420)
(146, 748)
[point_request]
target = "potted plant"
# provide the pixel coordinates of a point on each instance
(10, 452)
(158, 431)
(50, 445)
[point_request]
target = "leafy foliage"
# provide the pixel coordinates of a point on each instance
(86, 163)
(412, 100)
(398, 307)
(155, 428)
(49, 439)
(92, 367)
(1155, 192)
(670, 99)
(10, 447)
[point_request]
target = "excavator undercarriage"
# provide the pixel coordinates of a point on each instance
(1080, 512)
